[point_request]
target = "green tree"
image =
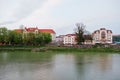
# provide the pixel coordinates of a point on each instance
(38, 39)
(47, 38)
(79, 31)
(18, 38)
(30, 38)
(15, 38)
(3, 35)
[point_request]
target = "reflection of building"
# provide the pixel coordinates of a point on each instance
(104, 62)
(102, 36)
(36, 30)
(69, 39)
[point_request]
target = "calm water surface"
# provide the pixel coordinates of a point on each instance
(59, 66)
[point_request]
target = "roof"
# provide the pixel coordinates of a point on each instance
(31, 29)
(102, 29)
(18, 30)
(116, 35)
(47, 31)
(34, 29)
(70, 35)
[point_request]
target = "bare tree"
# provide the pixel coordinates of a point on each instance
(79, 31)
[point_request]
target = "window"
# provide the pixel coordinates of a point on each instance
(103, 35)
(109, 37)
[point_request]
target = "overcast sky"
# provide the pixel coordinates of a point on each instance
(61, 15)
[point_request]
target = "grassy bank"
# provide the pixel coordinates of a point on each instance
(60, 49)
(84, 49)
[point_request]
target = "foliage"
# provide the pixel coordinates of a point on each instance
(3, 35)
(14, 37)
(11, 37)
(47, 37)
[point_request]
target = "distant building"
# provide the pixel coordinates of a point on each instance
(59, 39)
(102, 36)
(36, 30)
(116, 38)
(88, 39)
(69, 39)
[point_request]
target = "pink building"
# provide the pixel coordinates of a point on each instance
(102, 36)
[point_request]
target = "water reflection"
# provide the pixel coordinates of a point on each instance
(97, 67)
(62, 66)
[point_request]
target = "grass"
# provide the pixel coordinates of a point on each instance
(58, 49)
(84, 49)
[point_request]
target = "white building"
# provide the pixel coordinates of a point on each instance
(69, 39)
(102, 36)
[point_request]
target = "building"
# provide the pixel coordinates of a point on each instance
(116, 38)
(36, 30)
(59, 39)
(51, 31)
(88, 39)
(69, 39)
(102, 36)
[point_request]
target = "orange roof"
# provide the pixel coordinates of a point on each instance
(18, 30)
(31, 29)
(47, 31)
(40, 30)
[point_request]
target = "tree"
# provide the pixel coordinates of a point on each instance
(38, 39)
(30, 38)
(47, 37)
(79, 31)
(3, 35)
(14, 38)
(88, 36)
(18, 38)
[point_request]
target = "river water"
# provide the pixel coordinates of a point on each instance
(59, 66)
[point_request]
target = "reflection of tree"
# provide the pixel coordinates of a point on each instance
(80, 66)
(92, 66)
(27, 57)
(26, 66)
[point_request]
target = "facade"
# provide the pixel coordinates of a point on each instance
(51, 31)
(59, 39)
(116, 38)
(69, 39)
(102, 36)
(36, 30)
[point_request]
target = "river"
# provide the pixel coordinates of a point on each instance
(59, 66)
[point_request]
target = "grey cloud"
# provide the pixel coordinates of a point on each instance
(12, 10)
(27, 7)
(7, 22)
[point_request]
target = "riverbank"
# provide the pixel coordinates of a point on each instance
(59, 49)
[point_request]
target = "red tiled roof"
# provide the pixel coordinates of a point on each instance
(31, 29)
(40, 30)
(18, 30)
(47, 31)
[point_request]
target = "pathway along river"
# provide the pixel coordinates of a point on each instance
(59, 66)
